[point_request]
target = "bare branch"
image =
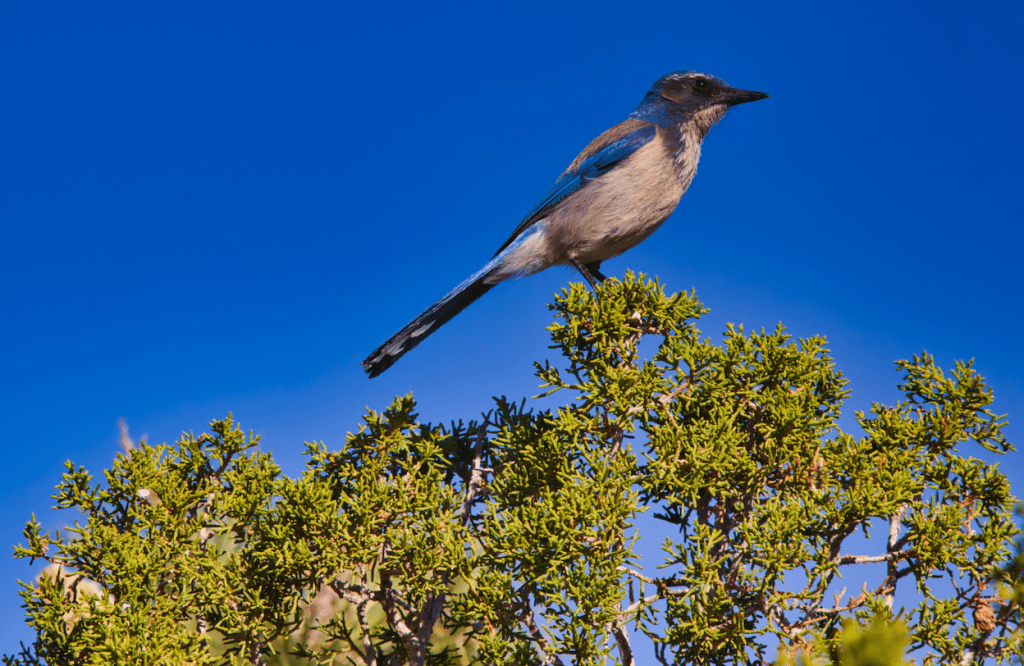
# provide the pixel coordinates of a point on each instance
(625, 649)
(369, 653)
(895, 556)
(531, 625)
(389, 602)
(429, 616)
(477, 475)
(636, 574)
(256, 653)
(891, 573)
(647, 601)
(354, 593)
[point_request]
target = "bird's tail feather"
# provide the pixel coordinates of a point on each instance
(433, 318)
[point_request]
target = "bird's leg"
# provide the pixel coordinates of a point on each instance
(589, 271)
(593, 268)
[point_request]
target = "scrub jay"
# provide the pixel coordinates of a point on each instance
(613, 195)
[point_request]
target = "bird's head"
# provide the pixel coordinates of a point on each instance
(693, 96)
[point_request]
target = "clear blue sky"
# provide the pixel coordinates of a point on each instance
(225, 206)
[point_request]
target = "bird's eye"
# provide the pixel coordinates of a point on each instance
(702, 85)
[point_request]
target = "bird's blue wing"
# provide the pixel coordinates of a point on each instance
(598, 158)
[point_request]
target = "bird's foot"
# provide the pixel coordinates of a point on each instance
(590, 271)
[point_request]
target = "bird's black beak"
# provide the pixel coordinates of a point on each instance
(734, 96)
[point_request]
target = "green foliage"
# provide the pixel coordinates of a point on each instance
(510, 540)
(880, 643)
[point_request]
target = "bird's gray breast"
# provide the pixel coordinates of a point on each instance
(622, 208)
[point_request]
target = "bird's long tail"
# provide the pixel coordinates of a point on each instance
(433, 318)
(523, 256)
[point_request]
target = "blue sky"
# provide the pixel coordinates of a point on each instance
(214, 207)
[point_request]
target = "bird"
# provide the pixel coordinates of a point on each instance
(615, 194)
